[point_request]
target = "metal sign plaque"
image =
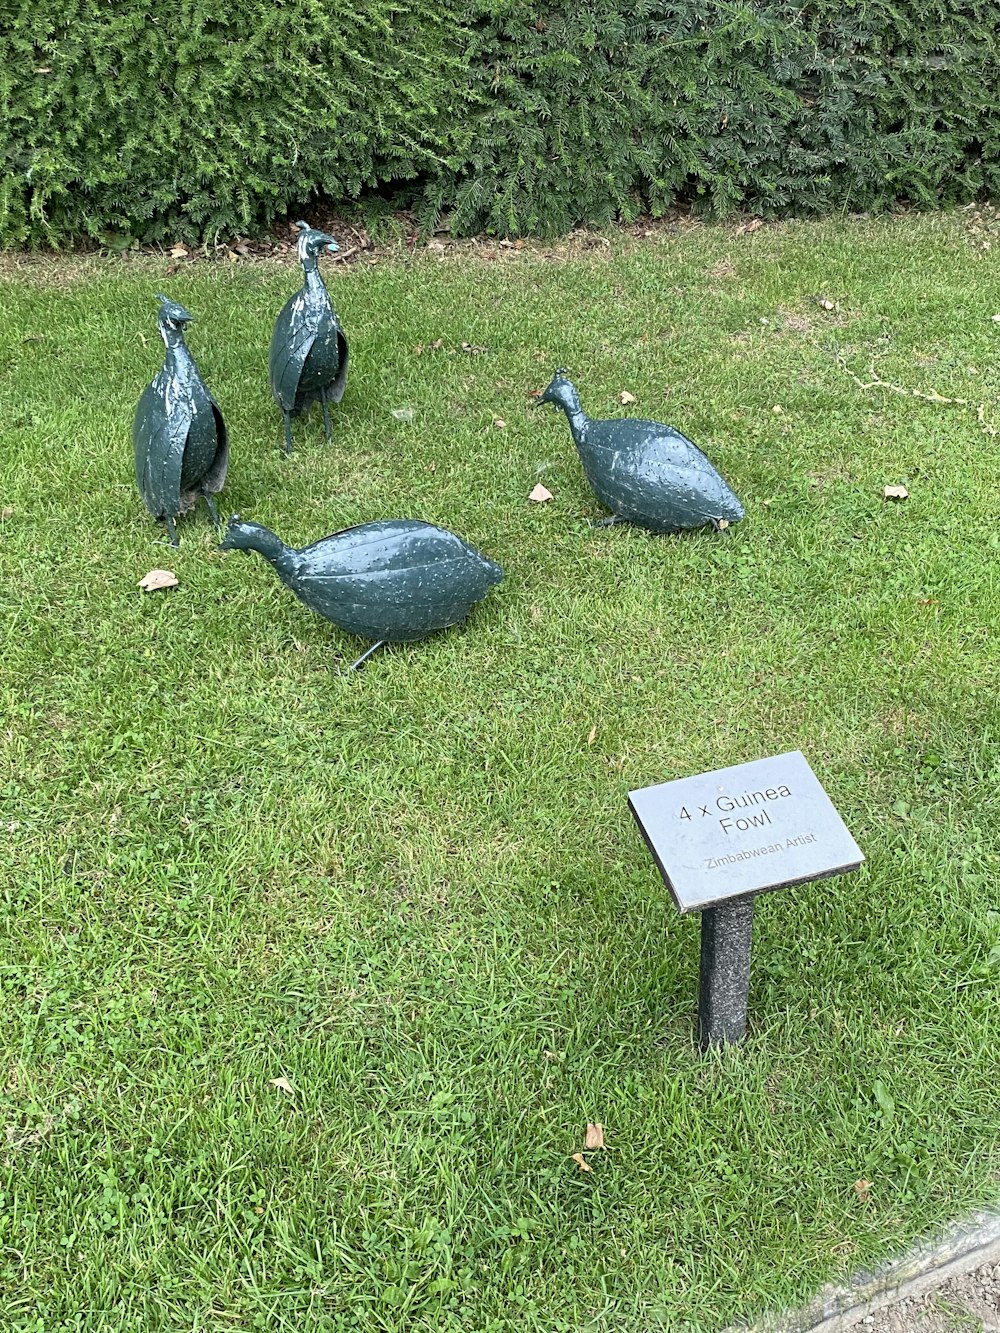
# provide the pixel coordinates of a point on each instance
(743, 830)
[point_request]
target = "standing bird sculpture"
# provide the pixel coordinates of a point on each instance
(307, 361)
(644, 472)
(393, 581)
(179, 435)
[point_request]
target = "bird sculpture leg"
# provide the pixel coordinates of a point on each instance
(326, 413)
(608, 522)
(212, 509)
(171, 530)
(288, 432)
(365, 656)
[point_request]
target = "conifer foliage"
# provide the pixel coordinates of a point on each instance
(187, 119)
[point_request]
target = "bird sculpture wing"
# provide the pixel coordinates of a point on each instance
(215, 477)
(396, 580)
(295, 331)
(159, 432)
(336, 390)
(666, 482)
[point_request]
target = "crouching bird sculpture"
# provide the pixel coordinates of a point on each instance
(308, 357)
(644, 472)
(393, 581)
(179, 435)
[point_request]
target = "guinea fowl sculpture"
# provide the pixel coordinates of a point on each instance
(179, 435)
(392, 581)
(308, 357)
(644, 472)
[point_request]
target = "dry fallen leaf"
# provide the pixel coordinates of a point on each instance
(722, 524)
(595, 1133)
(626, 397)
(499, 423)
(827, 304)
(283, 1085)
(584, 1166)
(862, 1188)
(403, 413)
(159, 578)
(895, 493)
(995, 319)
(6, 513)
(540, 494)
(179, 251)
(591, 737)
(777, 409)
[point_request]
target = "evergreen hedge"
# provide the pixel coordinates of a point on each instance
(183, 118)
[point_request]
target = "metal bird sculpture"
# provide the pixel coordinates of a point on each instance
(179, 435)
(644, 472)
(307, 361)
(393, 581)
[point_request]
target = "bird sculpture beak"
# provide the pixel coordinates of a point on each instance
(224, 545)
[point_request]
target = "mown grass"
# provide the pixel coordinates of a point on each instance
(416, 893)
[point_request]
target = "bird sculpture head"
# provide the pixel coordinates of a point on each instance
(560, 393)
(247, 537)
(312, 243)
(237, 535)
(172, 314)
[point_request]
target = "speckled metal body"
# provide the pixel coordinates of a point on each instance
(644, 472)
(178, 434)
(307, 361)
(392, 581)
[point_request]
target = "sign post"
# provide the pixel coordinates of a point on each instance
(721, 838)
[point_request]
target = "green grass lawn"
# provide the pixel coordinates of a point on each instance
(416, 892)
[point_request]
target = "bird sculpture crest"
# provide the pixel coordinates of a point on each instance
(179, 435)
(307, 362)
(392, 581)
(644, 472)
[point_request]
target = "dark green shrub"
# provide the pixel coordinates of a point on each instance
(182, 119)
(615, 106)
(187, 117)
